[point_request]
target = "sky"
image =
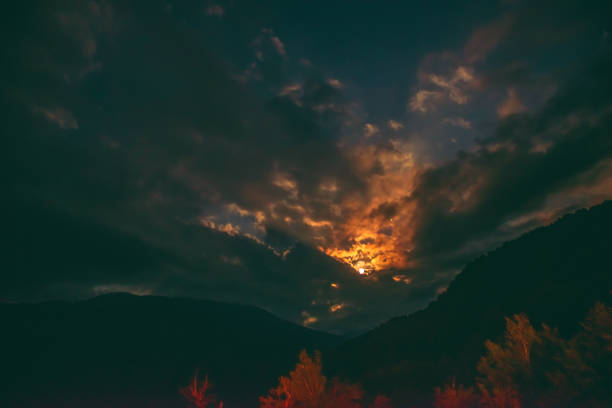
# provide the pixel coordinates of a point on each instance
(336, 163)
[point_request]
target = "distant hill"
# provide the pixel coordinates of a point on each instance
(553, 274)
(122, 350)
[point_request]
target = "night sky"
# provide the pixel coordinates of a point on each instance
(336, 163)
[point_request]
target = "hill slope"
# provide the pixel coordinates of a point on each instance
(553, 274)
(123, 350)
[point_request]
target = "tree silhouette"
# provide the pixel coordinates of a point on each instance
(197, 392)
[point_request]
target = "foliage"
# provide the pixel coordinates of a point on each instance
(307, 387)
(197, 393)
(528, 368)
(451, 396)
(342, 395)
(582, 374)
(532, 368)
(506, 369)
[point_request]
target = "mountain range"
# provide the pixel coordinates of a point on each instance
(553, 274)
(124, 350)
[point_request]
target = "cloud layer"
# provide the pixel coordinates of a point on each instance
(150, 156)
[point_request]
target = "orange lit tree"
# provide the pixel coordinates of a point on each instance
(307, 387)
(532, 368)
(197, 393)
(303, 388)
(506, 369)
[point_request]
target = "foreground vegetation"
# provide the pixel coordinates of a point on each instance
(529, 367)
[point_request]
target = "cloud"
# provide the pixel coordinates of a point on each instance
(85, 23)
(60, 116)
(278, 45)
(370, 129)
(511, 105)
(453, 84)
(215, 10)
(201, 173)
(449, 77)
(293, 91)
(458, 122)
(335, 83)
(466, 191)
(425, 101)
(185, 181)
(394, 124)
(270, 64)
(486, 38)
(452, 87)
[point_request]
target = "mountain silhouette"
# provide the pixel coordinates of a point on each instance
(553, 274)
(125, 350)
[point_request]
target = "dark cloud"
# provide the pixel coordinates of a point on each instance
(151, 150)
(530, 158)
(165, 136)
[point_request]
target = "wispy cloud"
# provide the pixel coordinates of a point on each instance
(458, 122)
(511, 105)
(215, 10)
(449, 77)
(60, 116)
(394, 124)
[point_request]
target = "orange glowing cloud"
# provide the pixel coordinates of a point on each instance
(377, 233)
(370, 229)
(336, 307)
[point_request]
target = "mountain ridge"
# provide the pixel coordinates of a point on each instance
(554, 274)
(141, 349)
(138, 350)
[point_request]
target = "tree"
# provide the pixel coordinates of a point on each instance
(197, 393)
(279, 397)
(451, 396)
(520, 336)
(303, 388)
(506, 369)
(541, 369)
(307, 387)
(583, 375)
